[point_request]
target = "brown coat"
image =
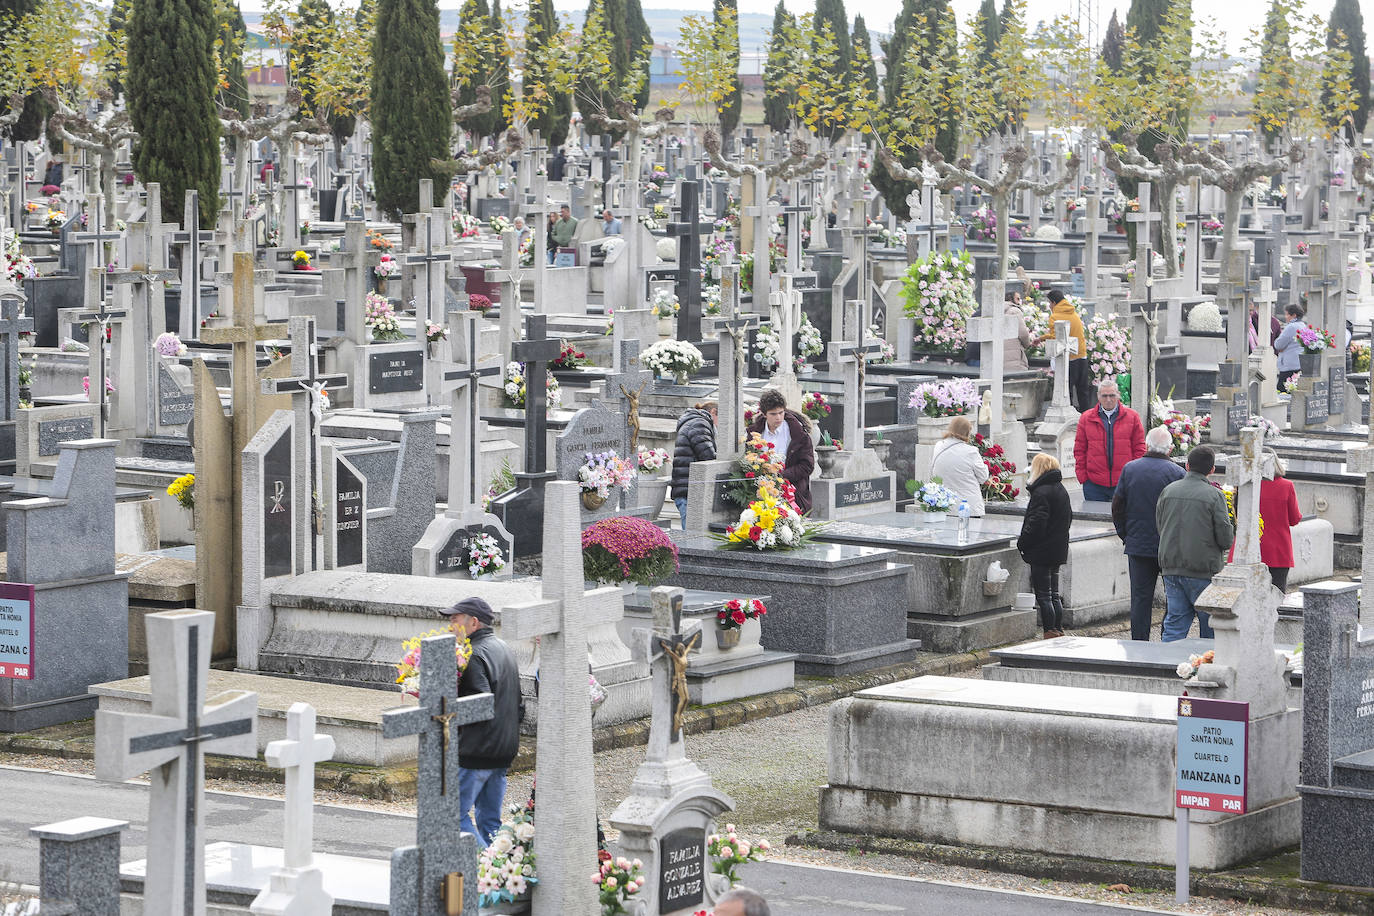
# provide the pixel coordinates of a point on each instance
(800, 460)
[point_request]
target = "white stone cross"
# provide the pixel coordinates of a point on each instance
(435, 267)
(463, 378)
(1057, 349)
(1144, 257)
(355, 260)
(991, 329)
(1244, 472)
(510, 276)
(170, 744)
(1094, 226)
(562, 620)
(852, 361)
(731, 329)
(1361, 461)
(297, 889)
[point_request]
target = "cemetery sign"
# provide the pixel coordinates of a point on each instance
(1213, 754)
(16, 630)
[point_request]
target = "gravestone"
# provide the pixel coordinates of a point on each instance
(78, 866)
(11, 327)
(592, 431)
(421, 873)
(672, 806)
(171, 744)
(64, 586)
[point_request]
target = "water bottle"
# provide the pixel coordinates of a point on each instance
(963, 521)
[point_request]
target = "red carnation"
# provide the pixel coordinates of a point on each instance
(749, 474)
(720, 615)
(755, 533)
(738, 617)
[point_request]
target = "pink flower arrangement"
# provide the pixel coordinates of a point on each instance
(736, 611)
(945, 399)
(624, 548)
(478, 303)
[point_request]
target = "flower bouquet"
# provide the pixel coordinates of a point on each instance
(1186, 431)
(478, 303)
(728, 852)
(16, 265)
(1000, 486)
(945, 399)
(483, 556)
(938, 293)
(466, 226)
(301, 260)
(1189, 668)
(183, 489)
(505, 869)
(736, 611)
(809, 341)
(886, 352)
(815, 406)
(381, 318)
(665, 303)
(387, 267)
(1205, 317)
(766, 347)
(672, 357)
(652, 460)
(618, 880)
(599, 473)
(54, 219)
(931, 495)
(1109, 348)
(1314, 339)
(1359, 356)
(86, 385)
(1212, 226)
(514, 386)
(769, 523)
(623, 548)
(408, 668)
(1230, 493)
(434, 333)
(569, 357)
(379, 241)
(500, 224)
(169, 345)
(760, 465)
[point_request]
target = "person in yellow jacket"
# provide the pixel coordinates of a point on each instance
(1080, 380)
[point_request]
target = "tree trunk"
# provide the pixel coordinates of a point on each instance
(1230, 231)
(1001, 212)
(1168, 227)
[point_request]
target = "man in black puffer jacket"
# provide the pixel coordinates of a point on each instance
(696, 441)
(486, 749)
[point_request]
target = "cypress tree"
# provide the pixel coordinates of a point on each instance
(640, 42)
(1274, 99)
(501, 94)
(552, 123)
(831, 13)
(313, 21)
(36, 109)
(232, 35)
(1345, 29)
(775, 100)
(411, 110)
(728, 109)
(861, 58)
(172, 85)
(1147, 19)
(472, 14)
(1114, 45)
(989, 29)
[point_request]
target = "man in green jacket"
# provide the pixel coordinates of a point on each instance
(564, 228)
(1195, 531)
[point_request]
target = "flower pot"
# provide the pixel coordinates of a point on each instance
(841, 462)
(628, 587)
(652, 491)
(929, 430)
(815, 433)
(932, 518)
(825, 457)
(665, 327)
(1311, 364)
(592, 500)
(727, 639)
(26, 393)
(381, 285)
(680, 377)
(881, 449)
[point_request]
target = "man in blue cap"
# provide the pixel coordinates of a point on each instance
(486, 749)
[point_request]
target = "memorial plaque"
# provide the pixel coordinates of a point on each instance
(174, 407)
(862, 492)
(452, 557)
(1318, 403)
(804, 281)
(681, 869)
(1213, 754)
(52, 433)
(396, 372)
(277, 506)
(349, 515)
(16, 630)
(7, 447)
(1237, 415)
(1336, 395)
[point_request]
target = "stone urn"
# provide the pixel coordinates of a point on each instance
(592, 500)
(1311, 364)
(727, 639)
(825, 460)
(930, 429)
(881, 448)
(652, 491)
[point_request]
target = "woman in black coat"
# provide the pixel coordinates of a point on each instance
(695, 441)
(1044, 541)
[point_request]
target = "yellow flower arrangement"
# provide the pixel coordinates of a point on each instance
(1230, 494)
(300, 258)
(408, 669)
(184, 489)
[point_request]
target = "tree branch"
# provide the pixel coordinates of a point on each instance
(475, 163)
(480, 107)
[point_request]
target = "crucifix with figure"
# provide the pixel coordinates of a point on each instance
(170, 745)
(98, 342)
(308, 390)
(421, 874)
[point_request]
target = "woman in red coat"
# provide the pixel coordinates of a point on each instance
(1279, 509)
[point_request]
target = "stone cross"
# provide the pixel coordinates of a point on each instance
(170, 744)
(463, 381)
(993, 329)
(1094, 226)
(510, 276)
(665, 648)
(1263, 362)
(562, 620)
(927, 218)
(297, 888)
(308, 389)
(536, 352)
(732, 330)
(1244, 472)
(243, 334)
(97, 237)
(355, 261)
(1144, 354)
(852, 360)
(760, 216)
(102, 317)
(11, 327)
(436, 273)
(420, 873)
(1193, 245)
(1361, 461)
(535, 207)
(1057, 349)
(291, 232)
(189, 241)
(627, 383)
(1143, 219)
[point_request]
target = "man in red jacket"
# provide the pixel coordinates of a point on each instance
(1109, 435)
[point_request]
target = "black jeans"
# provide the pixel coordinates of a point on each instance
(1044, 582)
(1081, 384)
(1144, 576)
(1279, 576)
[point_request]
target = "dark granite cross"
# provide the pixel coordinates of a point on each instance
(11, 327)
(465, 425)
(688, 234)
(418, 872)
(536, 351)
(172, 742)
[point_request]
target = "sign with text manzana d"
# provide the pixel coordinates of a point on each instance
(16, 630)
(1213, 754)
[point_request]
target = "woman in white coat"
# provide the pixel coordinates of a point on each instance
(959, 465)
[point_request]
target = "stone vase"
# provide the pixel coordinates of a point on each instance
(881, 449)
(665, 327)
(815, 433)
(652, 491)
(727, 639)
(1311, 364)
(929, 430)
(825, 458)
(592, 500)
